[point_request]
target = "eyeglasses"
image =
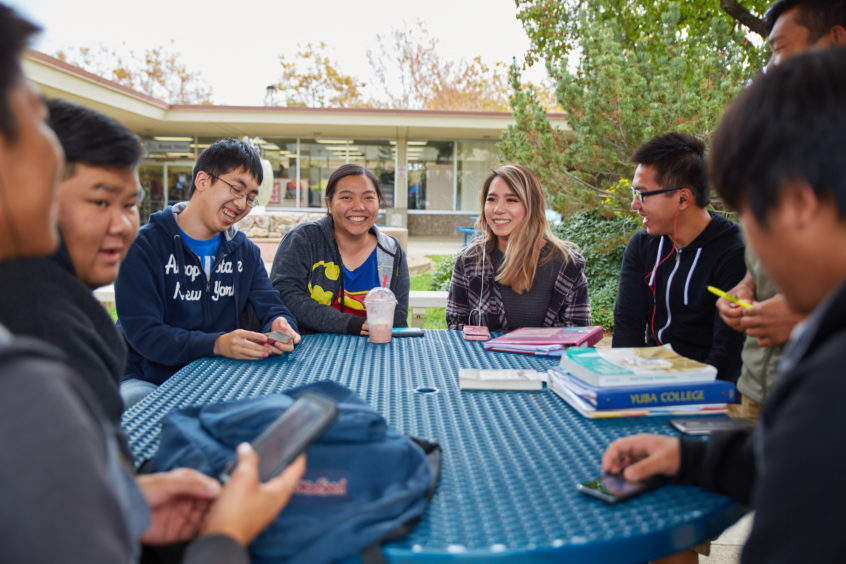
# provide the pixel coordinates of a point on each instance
(641, 195)
(236, 191)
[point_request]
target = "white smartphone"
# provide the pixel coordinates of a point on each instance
(278, 337)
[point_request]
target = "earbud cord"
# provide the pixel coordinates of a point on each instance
(478, 308)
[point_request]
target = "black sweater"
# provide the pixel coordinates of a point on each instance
(685, 314)
(792, 469)
(43, 298)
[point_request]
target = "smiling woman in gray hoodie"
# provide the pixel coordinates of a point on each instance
(323, 269)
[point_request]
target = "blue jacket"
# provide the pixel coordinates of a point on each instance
(170, 314)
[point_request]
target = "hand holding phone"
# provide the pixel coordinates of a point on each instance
(289, 435)
(613, 488)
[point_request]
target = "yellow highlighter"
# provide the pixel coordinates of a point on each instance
(732, 299)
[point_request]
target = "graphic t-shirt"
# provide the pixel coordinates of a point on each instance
(206, 250)
(356, 285)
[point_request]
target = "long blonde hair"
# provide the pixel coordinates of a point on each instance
(523, 251)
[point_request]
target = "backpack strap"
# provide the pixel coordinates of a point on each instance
(372, 554)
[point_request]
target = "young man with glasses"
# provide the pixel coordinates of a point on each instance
(684, 248)
(192, 280)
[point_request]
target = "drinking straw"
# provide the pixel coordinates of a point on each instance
(385, 280)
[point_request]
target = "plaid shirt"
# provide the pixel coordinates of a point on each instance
(568, 307)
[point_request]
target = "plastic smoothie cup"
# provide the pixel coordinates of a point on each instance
(380, 303)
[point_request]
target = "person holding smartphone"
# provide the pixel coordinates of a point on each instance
(324, 269)
(67, 495)
(192, 285)
(518, 274)
(776, 158)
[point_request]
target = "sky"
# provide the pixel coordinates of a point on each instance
(235, 45)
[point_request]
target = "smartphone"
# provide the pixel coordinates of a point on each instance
(613, 488)
(277, 337)
(289, 435)
(476, 333)
(406, 332)
(707, 425)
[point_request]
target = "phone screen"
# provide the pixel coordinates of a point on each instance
(612, 488)
(290, 434)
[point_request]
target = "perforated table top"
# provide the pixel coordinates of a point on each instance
(511, 460)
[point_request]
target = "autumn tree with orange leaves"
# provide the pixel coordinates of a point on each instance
(157, 72)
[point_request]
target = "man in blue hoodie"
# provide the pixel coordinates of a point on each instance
(191, 277)
(684, 248)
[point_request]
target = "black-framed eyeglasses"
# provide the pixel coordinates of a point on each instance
(236, 191)
(641, 195)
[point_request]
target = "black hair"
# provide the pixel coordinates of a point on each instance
(818, 16)
(14, 36)
(788, 126)
(225, 155)
(679, 161)
(351, 170)
(91, 138)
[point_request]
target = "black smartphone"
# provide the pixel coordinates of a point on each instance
(613, 488)
(289, 435)
(278, 337)
(707, 425)
(406, 332)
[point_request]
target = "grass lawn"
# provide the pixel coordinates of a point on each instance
(435, 316)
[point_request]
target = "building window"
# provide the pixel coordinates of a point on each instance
(476, 160)
(431, 175)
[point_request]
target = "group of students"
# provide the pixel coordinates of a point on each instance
(191, 285)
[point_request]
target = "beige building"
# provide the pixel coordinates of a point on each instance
(430, 163)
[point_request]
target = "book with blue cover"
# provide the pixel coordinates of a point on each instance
(646, 396)
(581, 405)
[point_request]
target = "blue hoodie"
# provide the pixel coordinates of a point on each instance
(170, 314)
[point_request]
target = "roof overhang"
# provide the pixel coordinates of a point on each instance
(148, 116)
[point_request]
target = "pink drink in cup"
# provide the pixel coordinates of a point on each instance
(380, 304)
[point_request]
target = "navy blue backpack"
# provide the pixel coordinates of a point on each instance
(365, 483)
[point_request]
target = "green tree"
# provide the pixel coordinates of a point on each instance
(157, 72)
(624, 71)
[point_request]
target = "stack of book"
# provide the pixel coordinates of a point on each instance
(548, 341)
(637, 382)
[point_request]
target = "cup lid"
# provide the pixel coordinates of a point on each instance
(380, 294)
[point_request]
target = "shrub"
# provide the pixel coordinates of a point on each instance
(601, 239)
(443, 272)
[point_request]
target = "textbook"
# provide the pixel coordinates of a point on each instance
(649, 395)
(500, 379)
(591, 412)
(633, 366)
(549, 341)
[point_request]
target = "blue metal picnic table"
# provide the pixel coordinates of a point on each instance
(511, 460)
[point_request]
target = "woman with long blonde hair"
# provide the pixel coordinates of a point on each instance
(518, 274)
